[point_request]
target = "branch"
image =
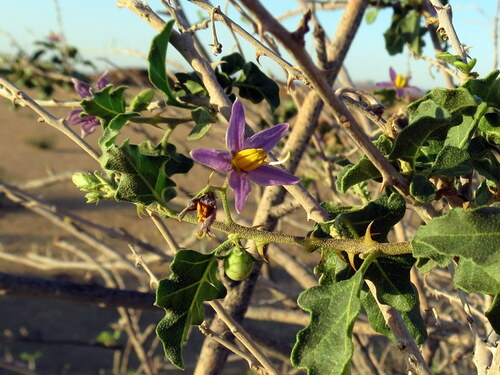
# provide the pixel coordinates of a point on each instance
(17, 96)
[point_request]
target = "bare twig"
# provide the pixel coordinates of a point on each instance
(11, 92)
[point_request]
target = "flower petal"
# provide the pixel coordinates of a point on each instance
(268, 175)
(215, 159)
(89, 125)
(385, 85)
(239, 183)
(267, 138)
(392, 74)
(81, 88)
(102, 81)
(74, 117)
(236, 129)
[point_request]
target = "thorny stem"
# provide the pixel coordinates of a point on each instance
(309, 243)
(317, 81)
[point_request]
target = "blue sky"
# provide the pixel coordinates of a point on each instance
(101, 31)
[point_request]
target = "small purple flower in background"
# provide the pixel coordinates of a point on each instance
(54, 37)
(399, 83)
(88, 123)
(245, 159)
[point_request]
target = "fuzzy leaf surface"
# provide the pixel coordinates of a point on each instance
(325, 347)
(473, 235)
(192, 281)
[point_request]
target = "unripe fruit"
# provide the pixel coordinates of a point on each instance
(238, 264)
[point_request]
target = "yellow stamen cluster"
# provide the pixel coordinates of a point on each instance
(249, 159)
(400, 81)
(203, 211)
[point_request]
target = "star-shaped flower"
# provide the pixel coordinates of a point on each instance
(245, 159)
(88, 123)
(399, 83)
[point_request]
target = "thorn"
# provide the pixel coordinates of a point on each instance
(257, 57)
(367, 238)
(289, 81)
(351, 257)
(260, 250)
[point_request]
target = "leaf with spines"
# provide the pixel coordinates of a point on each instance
(193, 281)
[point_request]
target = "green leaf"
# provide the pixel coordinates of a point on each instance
(488, 88)
(106, 103)
(452, 100)
(472, 235)
(471, 278)
(232, 63)
(483, 158)
(449, 58)
(352, 174)
(391, 276)
(427, 118)
(192, 83)
(256, 86)
(157, 69)
(422, 189)
(145, 171)
(483, 194)
(489, 125)
(371, 15)
(325, 346)
(141, 101)
(452, 161)
(460, 135)
(493, 314)
(113, 128)
(203, 121)
(405, 29)
(193, 280)
(384, 212)
(412, 319)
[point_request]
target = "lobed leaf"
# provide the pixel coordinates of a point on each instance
(471, 235)
(145, 171)
(193, 281)
(106, 103)
(325, 347)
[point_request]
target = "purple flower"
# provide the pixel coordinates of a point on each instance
(245, 159)
(88, 123)
(398, 83)
(54, 38)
